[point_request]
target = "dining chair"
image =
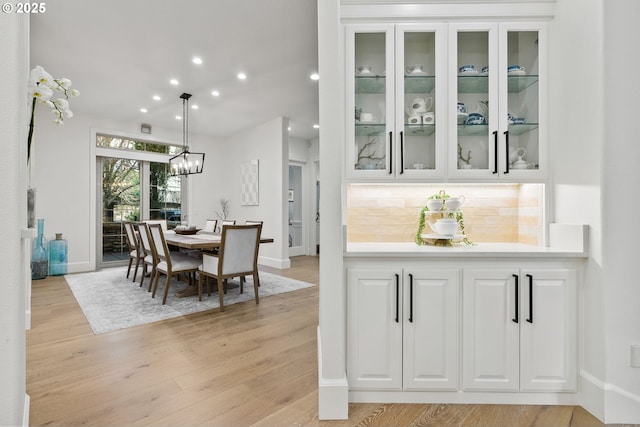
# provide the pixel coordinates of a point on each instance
(210, 226)
(162, 222)
(253, 222)
(150, 256)
(134, 248)
(238, 257)
(227, 222)
(170, 263)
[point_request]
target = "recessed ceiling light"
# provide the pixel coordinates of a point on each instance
(194, 107)
(215, 93)
(197, 60)
(156, 97)
(174, 81)
(143, 110)
(242, 76)
(316, 126)
(289, 128)
(178, 117)
(315, 76)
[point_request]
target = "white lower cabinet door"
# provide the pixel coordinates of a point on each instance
(430, 321)
(374, 333)
(490, 330)
(548, 330)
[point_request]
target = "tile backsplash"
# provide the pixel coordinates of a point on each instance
(492, 212)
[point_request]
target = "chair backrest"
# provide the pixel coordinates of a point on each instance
(210, 225)
(132, 240)
(239, 249)
(227, 222)
(162, 222)
(160, 245)
(143, 232)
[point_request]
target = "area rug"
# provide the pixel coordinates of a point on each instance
(110, 301)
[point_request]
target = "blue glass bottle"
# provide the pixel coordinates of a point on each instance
(58, 256)
(39, 258)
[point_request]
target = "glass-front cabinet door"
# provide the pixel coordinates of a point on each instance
(396, 101)
(495, 103)
(421, 100)
(370, 100)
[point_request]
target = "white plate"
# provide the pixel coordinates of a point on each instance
(468, 73)
(364, 73)
(462, 117)
(517, 73)
(419, 73)
(368, 121)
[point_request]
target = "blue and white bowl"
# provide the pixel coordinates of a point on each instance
(485, 69)
(519, 120)
(516, 69)
(475, 119)
(469, 68)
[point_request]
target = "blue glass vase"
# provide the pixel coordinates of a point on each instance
(39, 257)
(58, 256)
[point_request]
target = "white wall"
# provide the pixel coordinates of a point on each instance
(594, 104)
(269, 144)
(14, 51)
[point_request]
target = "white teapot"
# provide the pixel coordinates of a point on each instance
(444, 226)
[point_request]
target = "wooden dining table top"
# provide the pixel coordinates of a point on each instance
(201, 240)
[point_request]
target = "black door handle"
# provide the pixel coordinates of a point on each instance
(515, 319)
(411, 298)
(506, 152)
(530, 319)
(397, 298)
(401, 152)
(390, 153)
(495, 151)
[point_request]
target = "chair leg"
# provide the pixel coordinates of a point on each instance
(129, 269)
(144, 273)
(200, 287)
(241, 284)
(256, 284)
(166, 289)
(135, 272)
(220, 292)
(153, 272)
(154, 280)
(206, 278)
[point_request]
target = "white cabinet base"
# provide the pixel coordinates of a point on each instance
(467, 397)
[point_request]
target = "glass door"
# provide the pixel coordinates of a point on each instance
(133, 190)
(473, 107)
(421, 100)
(521, 65)
(370, 105)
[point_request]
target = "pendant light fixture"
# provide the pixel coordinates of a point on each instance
(186, 163)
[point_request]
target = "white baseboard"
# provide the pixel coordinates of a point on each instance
(333, 394)
(608, 402)
(25, 413)
(274, 262)
(80, 267)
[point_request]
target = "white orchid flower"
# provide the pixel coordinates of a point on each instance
(40, 76)
(41, 92)
(74, 92)
(61, 104)
(63, 83)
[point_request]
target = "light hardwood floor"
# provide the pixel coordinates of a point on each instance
(252, 365)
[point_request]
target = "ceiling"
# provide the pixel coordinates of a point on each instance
(120, 53)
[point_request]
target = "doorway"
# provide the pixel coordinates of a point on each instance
(297, 198)
(132, 190)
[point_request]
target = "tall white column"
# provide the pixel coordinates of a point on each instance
(14, 52)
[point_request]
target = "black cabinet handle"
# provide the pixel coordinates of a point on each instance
(401, 152)
(397, 298)
(411, 298)
(506, 151)
(530, 319)
(495, 151)
(390, 153)
(515, 319)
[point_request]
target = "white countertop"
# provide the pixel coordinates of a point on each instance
(478, 250)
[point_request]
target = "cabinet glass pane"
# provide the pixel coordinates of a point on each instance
(523, 99)
(370, 101)
(419, 101)
(473, 121)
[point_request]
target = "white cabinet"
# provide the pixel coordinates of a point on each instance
(519, 330)
(410, 109)
(403, 328)
(497, 101)
(396, 103)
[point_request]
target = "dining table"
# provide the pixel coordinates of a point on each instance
(204, 241)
